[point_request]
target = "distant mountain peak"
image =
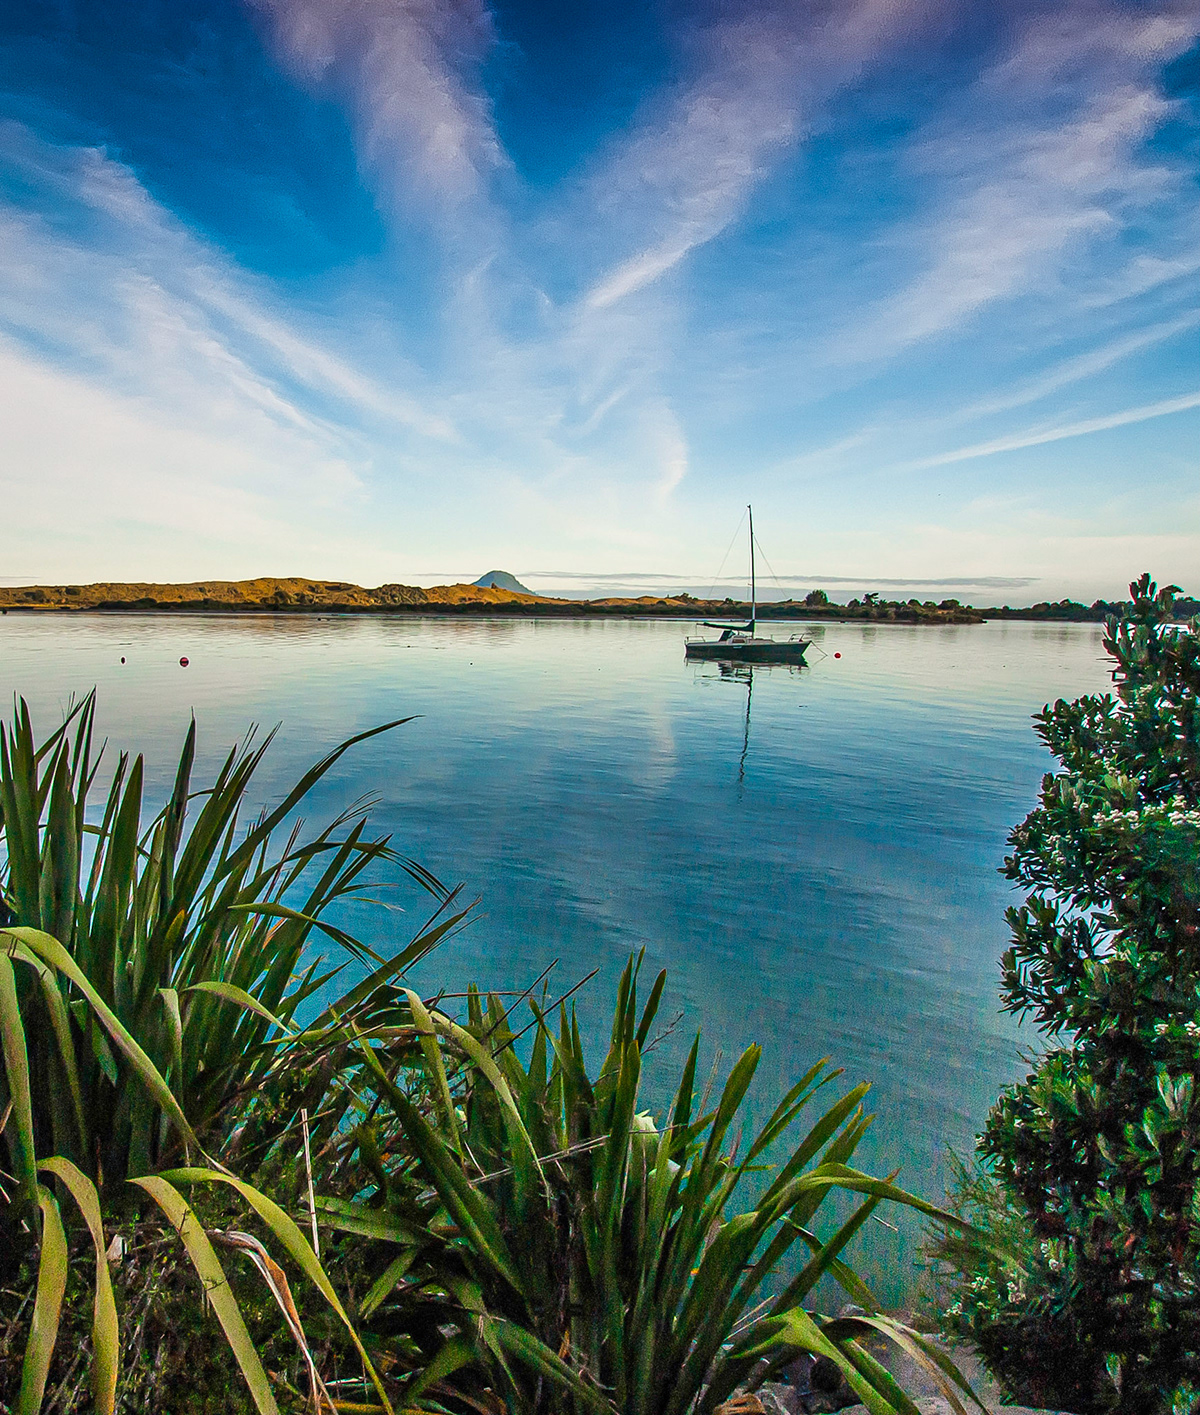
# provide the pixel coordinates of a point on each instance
(501, 580)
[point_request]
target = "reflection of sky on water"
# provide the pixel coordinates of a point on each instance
(840, 897)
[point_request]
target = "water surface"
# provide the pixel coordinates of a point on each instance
(812, 855)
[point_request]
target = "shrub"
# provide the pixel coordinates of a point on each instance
(1009, 1296)
(1098, 1147)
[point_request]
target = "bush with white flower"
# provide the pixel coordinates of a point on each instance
(1097, 1152)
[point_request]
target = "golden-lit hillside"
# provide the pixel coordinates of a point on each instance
(265, 593)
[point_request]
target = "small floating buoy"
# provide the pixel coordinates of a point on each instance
(837, 655)
(183, 662)
(122, 658)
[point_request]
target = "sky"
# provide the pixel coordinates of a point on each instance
(408, 290)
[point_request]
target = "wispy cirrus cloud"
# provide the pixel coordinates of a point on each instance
(1082, 366)
(424, 126)
(149, 382)
(1044, 155)
(114, 283)
(1039, 436)
(689, 167)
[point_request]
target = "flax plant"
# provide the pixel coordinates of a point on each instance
(596, 1259)
(150, 979)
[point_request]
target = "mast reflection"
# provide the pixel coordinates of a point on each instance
(730, 672)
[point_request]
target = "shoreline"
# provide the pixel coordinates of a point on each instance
(295, 596)
(793, 614)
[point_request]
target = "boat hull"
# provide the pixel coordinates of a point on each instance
(765, 651)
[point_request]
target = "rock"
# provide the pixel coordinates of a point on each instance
(939, 1405)
(915, 1379)
(780, 1399)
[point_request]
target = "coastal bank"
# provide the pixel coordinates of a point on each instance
(298, 595)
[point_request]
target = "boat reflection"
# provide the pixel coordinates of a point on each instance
(731, 672)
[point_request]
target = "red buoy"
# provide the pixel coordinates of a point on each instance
(183, 663)
(836, 655)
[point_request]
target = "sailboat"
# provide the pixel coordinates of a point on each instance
(740, 643)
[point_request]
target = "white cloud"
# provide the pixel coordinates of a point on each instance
(1082, 366)
(1145, 273)
(137, 294)
(687, 170)
(150, 388)
(1035, 438)
(93, 481)
(424, 127)
(1043, 157)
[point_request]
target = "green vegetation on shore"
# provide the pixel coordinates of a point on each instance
(1088, 1296)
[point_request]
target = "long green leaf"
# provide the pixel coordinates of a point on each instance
(936, 1363)
(16, 1071)
(452, 1356)
(527, 1348)
(47, 1306)
(52, 952)
(296, 1244)
(466, 1205)
(216, 1286)
(796, 1330)
(60, 1025)
(106, 1356)
(383, 1285)
(170, 999)
(264, 827)
(229, 993)
(432, 1052)
(350, 1217)
(484, 1060)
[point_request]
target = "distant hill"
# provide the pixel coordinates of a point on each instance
(267, 593)
(501, 580)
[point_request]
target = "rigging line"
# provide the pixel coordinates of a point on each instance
(725, 557)
(770, 567)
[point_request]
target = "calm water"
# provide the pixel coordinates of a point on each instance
(812, 855)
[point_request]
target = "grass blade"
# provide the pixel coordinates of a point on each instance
(379, 1290)
(227, 992)
(52, 952)
(936, 1363)
(483, 1059)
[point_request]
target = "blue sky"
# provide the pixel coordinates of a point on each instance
(411, 289)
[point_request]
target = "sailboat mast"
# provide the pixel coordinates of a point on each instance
(753, 588)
